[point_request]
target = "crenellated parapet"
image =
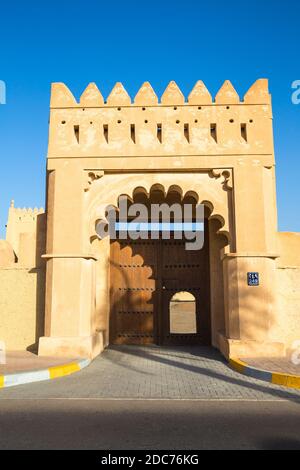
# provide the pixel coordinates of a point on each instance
(25, 227)
(26, 213)
(61, 96)
(173, 125)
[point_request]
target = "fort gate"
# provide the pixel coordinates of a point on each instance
(218, 153)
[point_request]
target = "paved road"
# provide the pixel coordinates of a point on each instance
(144, 424)
(151, 398)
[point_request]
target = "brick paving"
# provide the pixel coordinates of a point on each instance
(137, 372)
(181, 372)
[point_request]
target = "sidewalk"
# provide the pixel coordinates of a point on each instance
(280, 371)
(24, 367)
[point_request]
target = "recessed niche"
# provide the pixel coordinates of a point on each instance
(244, 132)
(105, 132)
(159, 132)
(76, 132)
(213, 131)
(132, 132)
(187, 132)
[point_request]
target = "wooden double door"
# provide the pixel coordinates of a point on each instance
(145, 275)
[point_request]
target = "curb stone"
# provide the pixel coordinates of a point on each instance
(53, 372)
(277, 378)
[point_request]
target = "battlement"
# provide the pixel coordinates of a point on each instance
(25, 213)
(61, 96)
(25, 230)
(118, 126)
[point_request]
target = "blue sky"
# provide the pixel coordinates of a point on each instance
(77, 42)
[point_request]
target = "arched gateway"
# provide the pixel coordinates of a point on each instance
(219, 154)
(149, 274)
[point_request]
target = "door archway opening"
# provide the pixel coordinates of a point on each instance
(146, 276)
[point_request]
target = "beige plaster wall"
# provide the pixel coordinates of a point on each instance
(7, 256)
(21, 307)
(217, 243)
(289, 249)
(22, 279)
(26, 233)
(288, 287)
(101, 248)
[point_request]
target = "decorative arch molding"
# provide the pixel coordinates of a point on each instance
(105, 191)
(90, 177)
(227, 181)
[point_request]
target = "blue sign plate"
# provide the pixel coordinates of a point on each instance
(253, 279)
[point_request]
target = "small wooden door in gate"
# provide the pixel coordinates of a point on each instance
(185, 271)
